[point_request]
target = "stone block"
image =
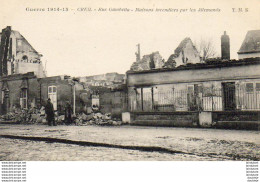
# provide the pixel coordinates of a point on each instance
(205, 119)
(126, 117)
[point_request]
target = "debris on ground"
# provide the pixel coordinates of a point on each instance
(23, 116)
(34, 116)
(96, 119)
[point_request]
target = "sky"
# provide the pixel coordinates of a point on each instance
(81, 43)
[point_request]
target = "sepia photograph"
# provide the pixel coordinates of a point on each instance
(129, 80)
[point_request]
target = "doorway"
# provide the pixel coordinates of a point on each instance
(52, 94)
(229, 96)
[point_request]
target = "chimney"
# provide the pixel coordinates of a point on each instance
(225, 46)
(9, 28)
(138, 53)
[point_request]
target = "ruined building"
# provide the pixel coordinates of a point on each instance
(227, 91)
(150, 61)
(185, 53)
(20, 70)
(105, 91)
(17, 56)
(250, 47)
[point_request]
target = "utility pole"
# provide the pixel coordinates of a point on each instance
(74, 95)
(74, 99)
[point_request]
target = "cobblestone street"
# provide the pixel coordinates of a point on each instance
(191, 143)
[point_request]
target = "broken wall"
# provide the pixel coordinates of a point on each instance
(25, 67)
(114, 103)
(185, 53)
(150, 61)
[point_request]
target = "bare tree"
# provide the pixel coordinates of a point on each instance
(206, 48)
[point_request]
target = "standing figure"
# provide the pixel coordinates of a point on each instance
(68, 111)
(50, 113)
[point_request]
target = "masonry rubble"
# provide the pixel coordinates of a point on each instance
(185, 53)
(150, 61)
(36, 116)
(170, 63)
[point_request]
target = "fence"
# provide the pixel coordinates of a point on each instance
(205, 99)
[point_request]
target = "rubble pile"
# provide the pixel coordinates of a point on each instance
(34, 116)
(96, 119)
(148, 62)
(24, 116)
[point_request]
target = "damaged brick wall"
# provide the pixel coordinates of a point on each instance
(114, 103)
(37, 91)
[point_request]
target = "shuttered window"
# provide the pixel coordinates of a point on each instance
(249, 87)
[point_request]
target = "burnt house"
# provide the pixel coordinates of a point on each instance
(223, 89)
(23, 80)
(17, 56)
(185, 53)
(27, 91)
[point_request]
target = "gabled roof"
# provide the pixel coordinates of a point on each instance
(182, 45)
(251, 43)
(19, 36)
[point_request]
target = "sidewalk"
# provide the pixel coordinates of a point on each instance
(226, 144)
